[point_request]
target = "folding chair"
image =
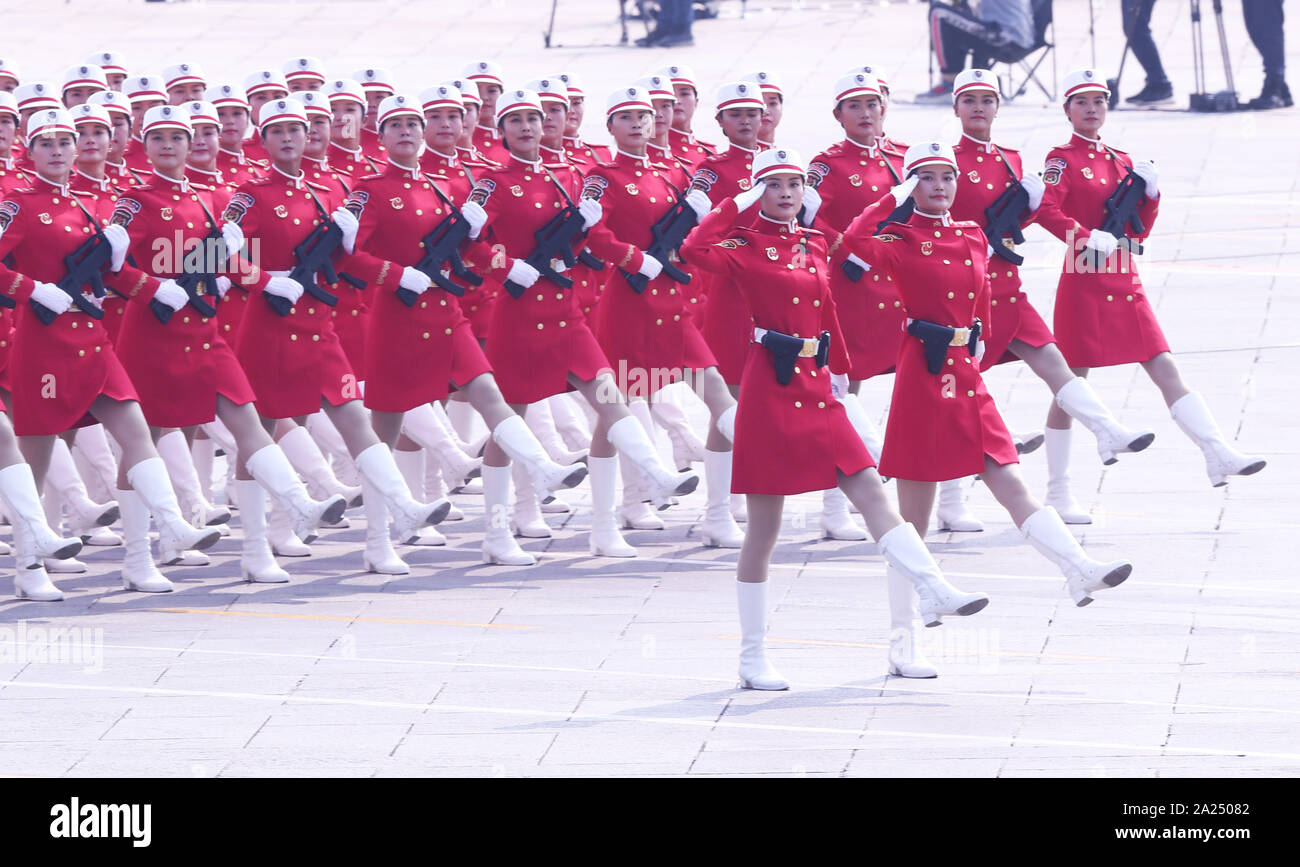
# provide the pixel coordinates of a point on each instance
(1028, 60)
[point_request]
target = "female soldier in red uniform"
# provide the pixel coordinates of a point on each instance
(1102, 316)
(786, 398)
(295, 362)
(65, 374)
(848, 176)
(182, 368)
(647, 331)
(682, 138)
(396, 211)
(539, 344)
(984, 171)
(943, 423)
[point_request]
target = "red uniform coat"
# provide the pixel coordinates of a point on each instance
(104, 194)
(460, 174)
(849, 177)
(589, 288)
(647, 332)
(293, 362)
(680, 177)
(981, 177)
(789, 438)
(134, 157)
(726, 318)
(237, 167)
(371, 147)
(353, 163)
(349, 315)
(230, 312)
(56, 371)
(490, 145)
(590, 153)
(536, 340)
(433, 339)
(11, 177)
(1101, 319)
(180, 367)
(689, 148)
(940, 426)
(123, 176)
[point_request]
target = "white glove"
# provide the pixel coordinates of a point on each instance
(171, 294)
(591, 212)
(285, 288)
(699, 202)
(1102, 242)
(839, 385)
(476, 217)
(903, 190)
(348, 225)
(522, 274)
(1033, 185)
(746, 200)
(650, 266)
(414, 280)
(979, 350)
(120, 241)
(51, 297)
(853, 257)
(223, 286)
(1146, 170)
(812, 200)
(233, 236)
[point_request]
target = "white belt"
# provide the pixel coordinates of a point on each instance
(276, 273)
(809, 343)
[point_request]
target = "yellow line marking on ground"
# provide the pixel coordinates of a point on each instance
(346, 619)
(873, 645)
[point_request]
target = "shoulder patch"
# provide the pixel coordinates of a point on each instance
(124, 211)
(594, 187)
(704, 179)
(356, 202)
(8, 210)
(890, 236)
(732, 243)
(817, 172)
(237, 207)
(1052, 170)
(482, 191)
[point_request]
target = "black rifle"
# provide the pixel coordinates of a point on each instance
(1002, 220)
(554, 241)
(1121, 215)
(669, 232)
(442, 248)
(195, 275)
(900, 214)
(85, 265)
(315, 256)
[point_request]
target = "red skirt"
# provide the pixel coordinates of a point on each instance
(1014, 318)
(294, 362)
(178, 369)
(1105, 319)
(533, 348)
(477, 304)
(57, 371)
(790, 439)
(230, 313)
(871, 317)
(349, 320)
(114, 317)
(413, 353)
(942, 426)
(648, 337)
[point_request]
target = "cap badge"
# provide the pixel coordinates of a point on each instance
(302, 61)
(370, 73)
(934, 147)
(85, 70)
(631, 91)
(740, 88)
(185, 67)
(266, 75)
(482, 65)
(282, 105)
(977, 74)
(780, 155)
(1087, 74)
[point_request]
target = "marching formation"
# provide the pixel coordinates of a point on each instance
(335, 283)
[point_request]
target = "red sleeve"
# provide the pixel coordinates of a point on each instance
(1051, 214)
(376, 272)
(12, 231)
(133, 281)
(601, 239)
(860, 237)
(839, 356)
(242, 210)
(706, 246)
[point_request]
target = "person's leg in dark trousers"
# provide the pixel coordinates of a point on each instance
(956, 35)
(675, 17)
(1264, 24)
(1137, 28)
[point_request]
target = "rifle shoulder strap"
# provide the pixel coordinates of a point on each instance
(1006, 162)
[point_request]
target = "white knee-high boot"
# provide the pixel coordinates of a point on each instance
(718, 529)
(527, 521)
(903, 549)
(427, 426)
(306, 457)
(1221, 460)
(906, 658)
(138, 569)
(605, 540)
(411, 465)
(379, 555)
(499, 545)
(1059, 496)
(836, 522)
(272, 469)
(541, 422)
(635, 512)
(84, 515)
(629, 437)
(256, 562)
(377, 467)
(1050, 537)
(435, 487)
(756, 672)
(1082, 403)
(515, 438)
(952, 514)
(95, 462)
(23, 505)
(570, 421)
(175, 534)
(175, 452)
(688, 448)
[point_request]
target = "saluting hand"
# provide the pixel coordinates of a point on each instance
(903, 190)
(746, 200)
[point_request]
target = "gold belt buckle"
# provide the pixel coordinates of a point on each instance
(960, 337)
(809, 347)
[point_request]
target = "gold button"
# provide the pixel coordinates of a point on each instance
(447, 331)
(74, 323)
(797, 404)
(97, 348)
(794, 300)
(898, 303)
(537, 204)
(938, 234)
(966, 358)
(81, 352)
(424, 304)
(677, 317)
(950, 295)
(821, 404)
(443, 302)
(206, 346)
(311, 310)
(970, 294)
(813, 372)
(796, 368)
(654, 291)
(979, 159)
(994, 302)
(1129, 298)
(1110, 297)
(419, 212)
(559, 296)
(812, 270)
(539, 326)
(790, 266)
(968, 261)
(959, 235)
(659, 322)
(1013, 299)
(406, 186)
(882, 305)
(1008, 273)
(425, 336)
(950, 361)
(185, 319)
(947, 261)
(539, 297)
(970, 394)
(291, 337)
(187, 349)
(293, 309)
(563, 323)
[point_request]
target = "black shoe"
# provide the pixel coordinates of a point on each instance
(1153, 94)
(675, 40)
(1274, 95)
(651, 39)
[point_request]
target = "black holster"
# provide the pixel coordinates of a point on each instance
(937, 338)
(785, 351)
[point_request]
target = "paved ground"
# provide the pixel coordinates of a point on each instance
(593, 667)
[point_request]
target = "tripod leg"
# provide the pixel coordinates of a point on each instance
(1223, 45)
